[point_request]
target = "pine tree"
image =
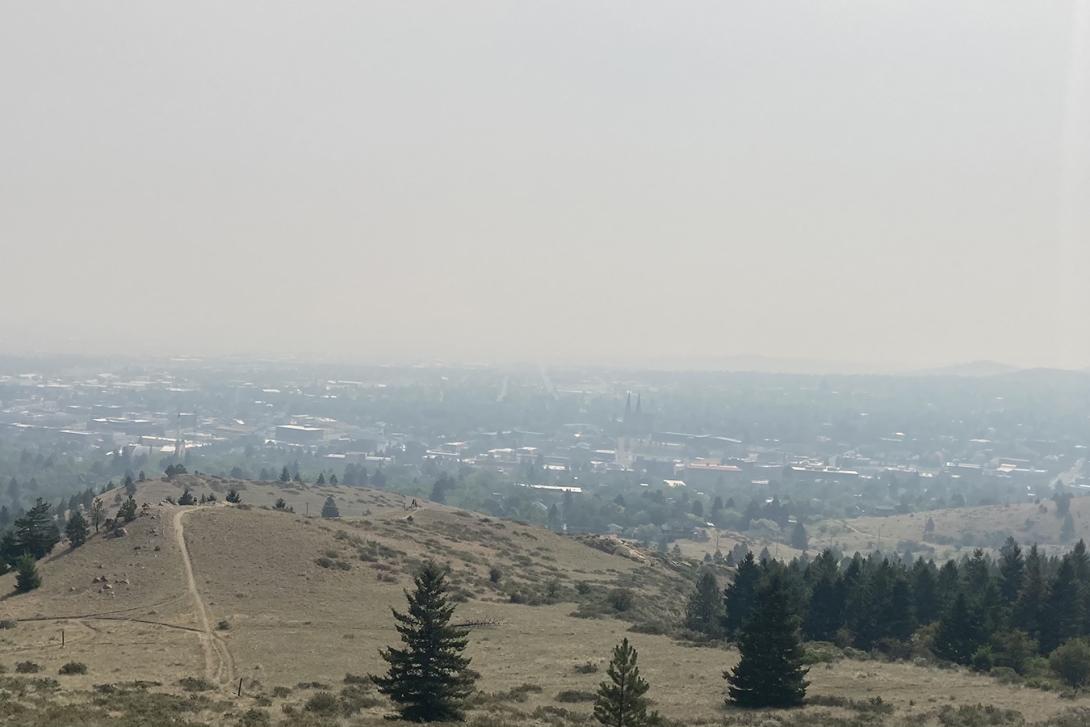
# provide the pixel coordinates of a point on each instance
(621, 701)
(321, 479)
(35, 532)
(799, 539)
(900, 617)
(127, 511)
(704, 613)
(1029, 607)
(1011, 570)
(959, 634)
(27, 577)
(329, 508)
(739, 596)
(1067, 530)
(771, 671)
(285, 475)
(1063, 608)
(925, 595)
(429, 678)
(823, 616)
(76, 529)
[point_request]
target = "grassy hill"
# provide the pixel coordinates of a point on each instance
(956, 530)
(169, 618)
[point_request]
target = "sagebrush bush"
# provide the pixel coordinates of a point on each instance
(73, 667)
(195, 684)
(322, 703)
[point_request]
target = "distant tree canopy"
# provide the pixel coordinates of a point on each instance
(983, 611)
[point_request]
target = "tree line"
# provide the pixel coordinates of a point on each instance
(980, 611)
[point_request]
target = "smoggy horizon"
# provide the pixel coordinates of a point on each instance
(619, 183)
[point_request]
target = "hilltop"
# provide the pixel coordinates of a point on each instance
(200, 597)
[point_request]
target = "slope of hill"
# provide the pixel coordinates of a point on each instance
(956, 530)
(203, 597)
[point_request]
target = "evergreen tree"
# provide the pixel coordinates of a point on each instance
(27, 577)
(444, 484)
(704, 612)
(130, 486)
(959, 633)
(900, 617)
(233, 497)
(127, 511)
(329, 508)
(826, 606)
(799, 539)
(739, 596)
(621, 701)
(925, 595)
(76, 529)
(949, 584)
(1029, 607)
(429, 679)
(10, 551)
(285, 475)
(1063, 608)
(771, 671)
(1067, 530)
(1011, 570)
(321, 479)
(36, 532)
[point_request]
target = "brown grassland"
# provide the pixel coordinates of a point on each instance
(169, 618)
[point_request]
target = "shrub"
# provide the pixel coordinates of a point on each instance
(1005, 675)
(495, 574)
(1071, 662)
(224, 625)
(322, 703)
(281, 692)
(620, 599)
(7, 623)
(571, 696)
(820, 652)
(589, 667)
(254, 718)
(27, 667)
(194, 684)
(355, 697)
(582, 588)
(73, 667)
(983, 659)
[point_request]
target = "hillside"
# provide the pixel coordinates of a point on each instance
(291, 604)
(956, 530)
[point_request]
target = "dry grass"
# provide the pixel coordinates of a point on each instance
(295, 622)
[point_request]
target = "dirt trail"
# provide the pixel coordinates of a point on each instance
(218, 663)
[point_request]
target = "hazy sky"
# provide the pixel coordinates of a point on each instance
(899, 183)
